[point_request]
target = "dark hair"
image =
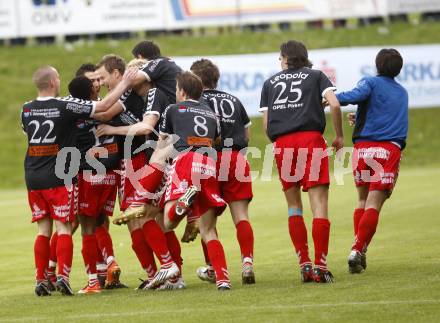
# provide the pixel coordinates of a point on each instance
(296, 54)
(389, 62)
(191, 84)
(147, 50)
(81, 88)
(207, 71)
(112, 62)
(84, 68)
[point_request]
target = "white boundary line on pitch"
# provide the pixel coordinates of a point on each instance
(229, 308)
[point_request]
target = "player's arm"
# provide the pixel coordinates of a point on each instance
(143, 128)
(114, 95)
(105, 116)
(360, 93)
(335, 110)
(264, 105)
(265, 121)
(247, 133)
(141, 77)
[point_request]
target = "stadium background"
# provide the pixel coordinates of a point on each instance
(400, 282)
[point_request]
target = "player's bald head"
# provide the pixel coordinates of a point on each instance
(43, 76)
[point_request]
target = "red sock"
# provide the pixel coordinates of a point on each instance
(89, 253)
(41, 255)
(174, 247)
(64, 254)
(157, 241)
(218, 261)
(143, 252)
(367, 228)
(298, 235)
(245, 237)
(321, 235)
(101, 265)
(100, 258)
(357, 216)
(205, 253)
(53, 248)
(105, 242)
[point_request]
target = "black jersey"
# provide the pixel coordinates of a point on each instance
(293, 99)
(233, 118)
(50, 125)
(156, 103)
(134, 107)
(87, 140)
(194, 122)
(163, 71)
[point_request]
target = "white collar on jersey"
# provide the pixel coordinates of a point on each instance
(192, 100)
(44, 98)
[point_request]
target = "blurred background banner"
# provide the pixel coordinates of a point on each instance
(243, 75)
(28, 18)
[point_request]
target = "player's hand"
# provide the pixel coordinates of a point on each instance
(324, 103)
(130, 75)
(337, 145)
(164, 150)
(103, 130)
(351, 118)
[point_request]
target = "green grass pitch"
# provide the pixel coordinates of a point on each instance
(401, 283)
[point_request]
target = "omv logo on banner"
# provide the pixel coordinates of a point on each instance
(47, 2)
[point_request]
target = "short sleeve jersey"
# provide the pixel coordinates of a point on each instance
(233, 118)
(292, 99)
(50, 126)
(163, 71)
(195, 124)
(134, 107)
(156, 103)
(87, 139)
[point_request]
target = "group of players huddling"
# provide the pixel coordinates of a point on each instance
(173, 147)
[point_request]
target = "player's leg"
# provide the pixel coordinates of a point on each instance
(101, 264)
(367, 228)
(206, 273)
(359, 210)
(215, 249)
(64, 256)
(41, 256)
(89, 253)
(51, 270)
(318, 196)
(245, 237)
(176, 253)
(156, 239)
(298, 231)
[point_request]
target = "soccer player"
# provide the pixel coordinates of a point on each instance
(102, 190)
(192, 186)
(144, 206)
(379, 136)
(49, 123)
(232, 167)
(294, 121)
(111, 68)
(162, 71)
(108, 269)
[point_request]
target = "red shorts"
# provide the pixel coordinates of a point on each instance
(233, 174)
(192, 168)
(58, 203)
(128, 180)
(97, 194)
(376, 165)
(302, 160)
